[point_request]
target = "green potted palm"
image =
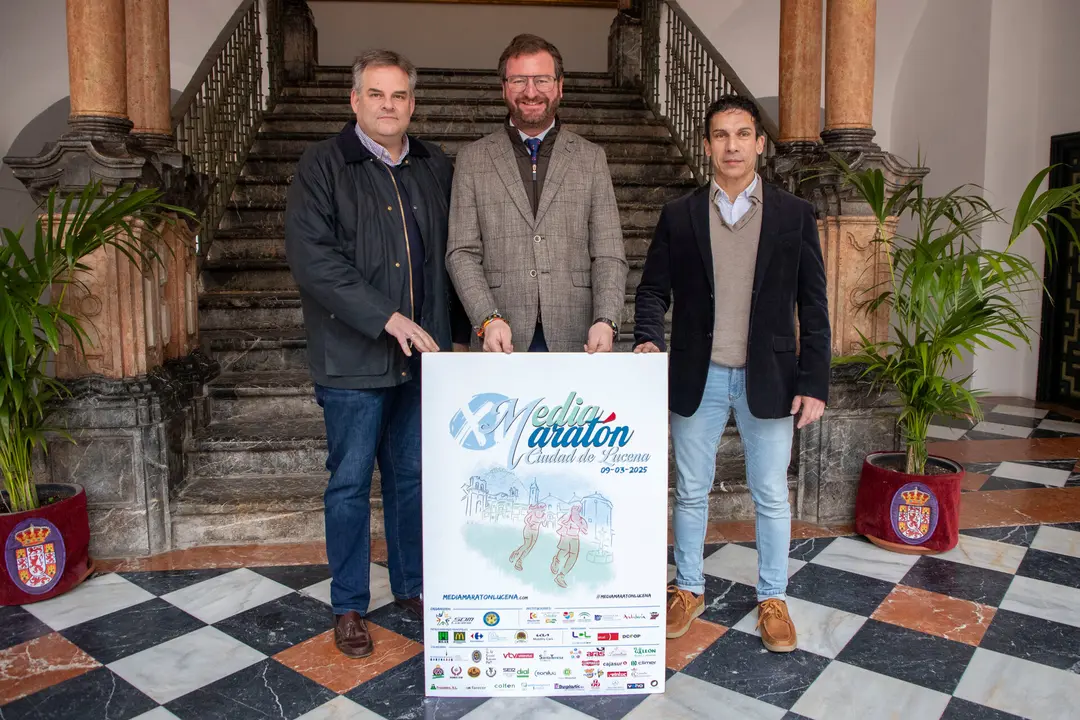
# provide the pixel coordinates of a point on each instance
(947, 296)
(44, 528)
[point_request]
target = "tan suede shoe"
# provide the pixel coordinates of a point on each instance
(777, 629)
(682, 608)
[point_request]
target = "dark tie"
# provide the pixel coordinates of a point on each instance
(534, 151)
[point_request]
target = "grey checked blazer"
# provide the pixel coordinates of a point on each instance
(570, 258)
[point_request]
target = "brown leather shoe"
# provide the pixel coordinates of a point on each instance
(683, 606)
(777, 629)
(415, 605)
(351, 635)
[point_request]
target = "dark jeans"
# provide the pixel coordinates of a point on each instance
(539, 342)
(362, 426)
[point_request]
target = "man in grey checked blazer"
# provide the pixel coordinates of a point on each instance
(535, 249)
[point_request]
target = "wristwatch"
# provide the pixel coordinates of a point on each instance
(614, 325)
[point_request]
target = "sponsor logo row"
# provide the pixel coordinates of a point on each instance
(552, 637)
(492, 618)
(595, 684)
(639, 655)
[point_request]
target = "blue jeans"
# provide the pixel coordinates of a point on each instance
(767, 450)
(362, 426)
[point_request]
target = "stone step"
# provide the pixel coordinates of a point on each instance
(263, 396)
(267, 143)
(570, 110)
(471, 92)
(258, 310)
(427, 77)
(431, 125)
(642, 170)
(259, 509)
(264, 191)
(241, 350)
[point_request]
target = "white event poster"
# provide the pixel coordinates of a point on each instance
(545, 523)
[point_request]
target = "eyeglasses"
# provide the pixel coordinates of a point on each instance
(542, 83)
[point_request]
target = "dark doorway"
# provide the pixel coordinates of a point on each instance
(1059, 353)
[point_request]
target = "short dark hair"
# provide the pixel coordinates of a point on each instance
(731, 101)
(526, 44)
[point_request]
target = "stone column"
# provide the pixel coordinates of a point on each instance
(97, 66)
(800, 72)
(850, 36)
(148, 78)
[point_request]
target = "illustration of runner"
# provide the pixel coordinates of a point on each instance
(570, 529)
(533, 519)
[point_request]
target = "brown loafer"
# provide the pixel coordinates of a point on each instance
(777, 629)
(351, 635)
(415, 605)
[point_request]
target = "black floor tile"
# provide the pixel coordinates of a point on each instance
(726, 601)
(1075, 527)
(266, 689)
(739, 663)
(401, 621)
(808, 548)
(99, 693)
(1021, 535)
(1033, 638)
(838, 589)
(1000, 483)
(161, 582)
(908, 655)
(964, 710)
(1051, 567)
(131, 630)
(17, 626)
(296, 577)
(279, 624)
(966, 582)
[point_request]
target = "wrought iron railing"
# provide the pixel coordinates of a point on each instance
(683, 73)
(216, 118)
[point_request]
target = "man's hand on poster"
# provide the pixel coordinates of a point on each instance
(646, 347)
(497, 337)
(601, 337)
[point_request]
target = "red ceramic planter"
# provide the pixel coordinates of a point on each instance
(45, 551)
(915, 514)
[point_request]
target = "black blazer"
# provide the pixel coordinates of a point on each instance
(789, 273)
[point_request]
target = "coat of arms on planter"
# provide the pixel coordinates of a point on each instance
(914, 513)
(34, 554)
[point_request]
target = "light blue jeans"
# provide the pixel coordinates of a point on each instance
(767, 450)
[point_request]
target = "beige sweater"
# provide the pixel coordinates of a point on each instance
(734, 253)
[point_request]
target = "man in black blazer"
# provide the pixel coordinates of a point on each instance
(739, 257)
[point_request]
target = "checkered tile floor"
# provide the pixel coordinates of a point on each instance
(989, 630)
(1014, 422)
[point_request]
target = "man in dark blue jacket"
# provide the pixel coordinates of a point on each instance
(365, 236)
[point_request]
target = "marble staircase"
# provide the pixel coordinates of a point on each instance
(254, 472)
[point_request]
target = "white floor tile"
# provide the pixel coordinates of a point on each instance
(175, 668)
(93, 598)
(1062, 426)
(524, 709)
(821, 630)
(379, 586)
(340, 708)
(378, 582)
(863, 558)
(158, 713)
(994, 428)
(226, 595)
(987, 554)
(1041, 599)
(844, 691)
(1032, 474)
(1058, 540)
(941, 432)
(687, 698)
(1020, 687)
(739, 563)
(320, 591)
(1019, 411)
